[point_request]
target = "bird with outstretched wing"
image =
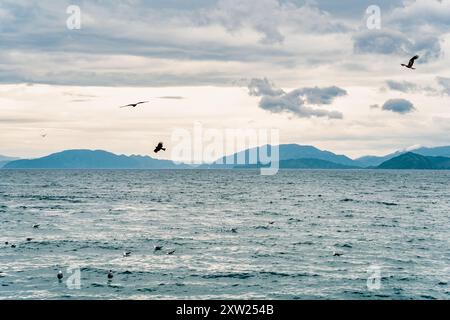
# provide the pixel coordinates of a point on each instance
(134, 105)
(159, 147)
(411, 63)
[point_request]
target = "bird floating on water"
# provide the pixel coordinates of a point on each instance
(159, 147)
(36, 226)
(60, 275)
(336, 254)
(170, 252)
(110, 274)
(127, 253)
(158, 248)
(134, 105)
(411, 63)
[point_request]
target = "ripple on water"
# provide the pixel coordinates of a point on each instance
(217, 221)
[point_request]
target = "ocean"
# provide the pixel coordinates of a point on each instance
(233, 234)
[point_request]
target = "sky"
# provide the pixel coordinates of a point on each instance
(323, 72)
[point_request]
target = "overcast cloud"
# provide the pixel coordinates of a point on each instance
(325, 61)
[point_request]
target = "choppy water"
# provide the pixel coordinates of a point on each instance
(395, 221)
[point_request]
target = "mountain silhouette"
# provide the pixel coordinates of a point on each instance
(373, 161)
(286, 152)
(89, 159)
(304, 163)
(415, 161)
(291, 156)
(4, 160)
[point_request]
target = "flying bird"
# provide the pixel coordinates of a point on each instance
(411, 63)
(134, 105)
(44, 135)
(159, 147)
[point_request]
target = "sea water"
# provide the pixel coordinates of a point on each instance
(300, 234)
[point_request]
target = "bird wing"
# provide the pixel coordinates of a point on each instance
(128, 105)
(413, 59)
(142, 102)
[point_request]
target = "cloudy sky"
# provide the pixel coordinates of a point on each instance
(311, 68)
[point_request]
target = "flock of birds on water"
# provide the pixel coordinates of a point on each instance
(110, 275)
(160, 147)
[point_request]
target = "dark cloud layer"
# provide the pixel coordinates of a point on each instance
(400, 106)
(112, 50)
(402, 86)
(295, 102)
(388, 42)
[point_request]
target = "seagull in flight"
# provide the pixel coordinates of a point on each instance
(134, 105)
(44, 135)
(411, 63)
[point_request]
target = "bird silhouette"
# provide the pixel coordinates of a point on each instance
(411, 63)
(159, 147)
(134, 105)
(127, 253)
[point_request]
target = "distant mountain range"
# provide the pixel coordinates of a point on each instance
(4, 160)
(88, 159)
(301, 164)
(291, 156)
(417, 162)
(373, 161)
(286, 152)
